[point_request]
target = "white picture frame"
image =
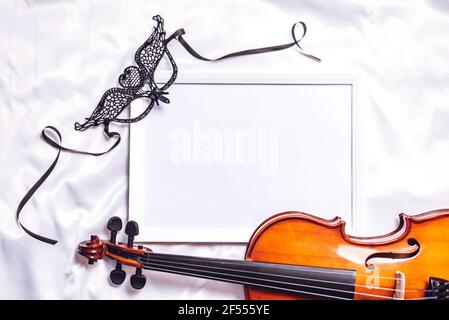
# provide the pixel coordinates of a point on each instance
(184, 228)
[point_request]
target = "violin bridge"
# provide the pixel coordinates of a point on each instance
(399, 286)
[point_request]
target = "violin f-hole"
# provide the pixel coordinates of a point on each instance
(396, 255)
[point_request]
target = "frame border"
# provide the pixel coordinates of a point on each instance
(355, 225)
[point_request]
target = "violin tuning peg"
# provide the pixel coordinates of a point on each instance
(114, 225)
(132, 230)
(138, 280)
(117, 275)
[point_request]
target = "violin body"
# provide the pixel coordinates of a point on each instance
(294, 255)
(302, 239)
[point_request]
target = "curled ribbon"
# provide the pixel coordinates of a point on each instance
(178, 34)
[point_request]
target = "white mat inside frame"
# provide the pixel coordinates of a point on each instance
(231, 150)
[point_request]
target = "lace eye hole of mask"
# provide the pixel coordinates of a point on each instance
(131, 78)
(137, 82)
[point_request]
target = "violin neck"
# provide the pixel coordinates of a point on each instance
(314, 281)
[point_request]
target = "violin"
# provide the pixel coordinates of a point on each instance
(294, 255)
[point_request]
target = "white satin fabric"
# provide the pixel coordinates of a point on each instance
(58, 57)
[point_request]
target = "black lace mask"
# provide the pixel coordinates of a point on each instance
(137, 82)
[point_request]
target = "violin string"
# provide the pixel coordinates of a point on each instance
(242, 276)
(164, 269)
(316, 270)
(285, 276)
(322, 270)
(269, 280)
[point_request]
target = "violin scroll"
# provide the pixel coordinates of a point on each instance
(92, 249)
(123, 253)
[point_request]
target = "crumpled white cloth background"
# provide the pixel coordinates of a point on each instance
(58, 57)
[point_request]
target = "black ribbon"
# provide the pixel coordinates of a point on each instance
(59, 147)
(178, 35)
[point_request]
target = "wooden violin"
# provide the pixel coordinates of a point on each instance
(294, 255)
